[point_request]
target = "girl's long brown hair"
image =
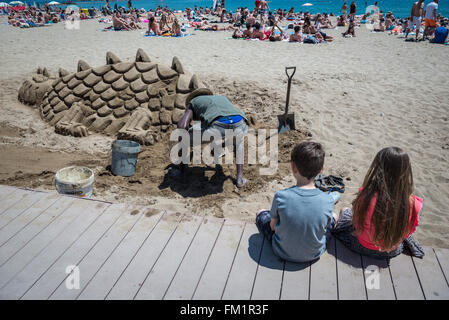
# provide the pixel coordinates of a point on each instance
(390, 179)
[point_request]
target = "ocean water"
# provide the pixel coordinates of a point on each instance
(400, 8)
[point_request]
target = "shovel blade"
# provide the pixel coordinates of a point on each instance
(286, 122)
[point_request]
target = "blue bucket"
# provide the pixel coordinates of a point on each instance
(124, 157)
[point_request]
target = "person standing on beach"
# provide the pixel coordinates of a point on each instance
(352, 10)
(263, 7)
(256, 6)
(431, 17)
(416, 17)
(344, 9)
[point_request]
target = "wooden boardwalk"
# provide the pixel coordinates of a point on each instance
(132, 252)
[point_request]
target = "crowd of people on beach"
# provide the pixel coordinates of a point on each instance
(38, 16)
(260, 23)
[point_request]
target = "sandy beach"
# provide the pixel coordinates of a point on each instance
(354, 95)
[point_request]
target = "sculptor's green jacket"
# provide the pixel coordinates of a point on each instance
(209, 108)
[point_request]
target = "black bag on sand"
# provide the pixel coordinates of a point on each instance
(329, 183)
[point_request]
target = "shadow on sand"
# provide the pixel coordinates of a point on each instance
(195, 182)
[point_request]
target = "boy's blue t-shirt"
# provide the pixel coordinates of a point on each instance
(304, 214)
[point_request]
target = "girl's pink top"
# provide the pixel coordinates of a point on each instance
(366, 238)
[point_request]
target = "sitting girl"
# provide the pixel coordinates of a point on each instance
(176, 28)
(385, 212)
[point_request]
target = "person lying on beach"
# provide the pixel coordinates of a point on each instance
(320, 36)
(217, 114)
(302, 215)
(248, 32)
(273, 36)
(297, 36)
(131, 21)
(385, 212)
(238, 34)
(214, 27)
(258, 32)
(152, 26)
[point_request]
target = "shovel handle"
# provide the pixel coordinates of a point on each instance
(290, 76)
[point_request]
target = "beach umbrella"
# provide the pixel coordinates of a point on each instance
(15, 2)
(53, 3)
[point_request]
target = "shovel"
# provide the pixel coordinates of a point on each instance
(286, 120)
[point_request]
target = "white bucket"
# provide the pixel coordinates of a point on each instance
(75, 180)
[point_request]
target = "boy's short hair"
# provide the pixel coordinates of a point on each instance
(308, 156)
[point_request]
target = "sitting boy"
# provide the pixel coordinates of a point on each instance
(301, 215)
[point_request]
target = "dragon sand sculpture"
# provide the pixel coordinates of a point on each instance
(133, 100)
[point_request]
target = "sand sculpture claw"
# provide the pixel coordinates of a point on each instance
(134, 100)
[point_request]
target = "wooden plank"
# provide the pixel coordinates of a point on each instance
(213, 279)
(32, 230)
(383, 288)
(295, 283)
(241, 277)
(21, 258)
(93, 260)
(13, 198)
(20, 207)
(351, 282)
(162, 273)
(5, 191)
(99, 286)
(431, 277)
(20, 222)
(323, 275)
(268, 281)
(191, 268)
(28, 274)
(443, 259)
(135, 274)
(56, 273)
(405, 280)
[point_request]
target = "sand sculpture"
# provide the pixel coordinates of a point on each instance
(133, 100)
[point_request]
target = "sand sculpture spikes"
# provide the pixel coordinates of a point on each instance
(133, 100)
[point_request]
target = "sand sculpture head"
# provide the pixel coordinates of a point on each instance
(136, 100)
